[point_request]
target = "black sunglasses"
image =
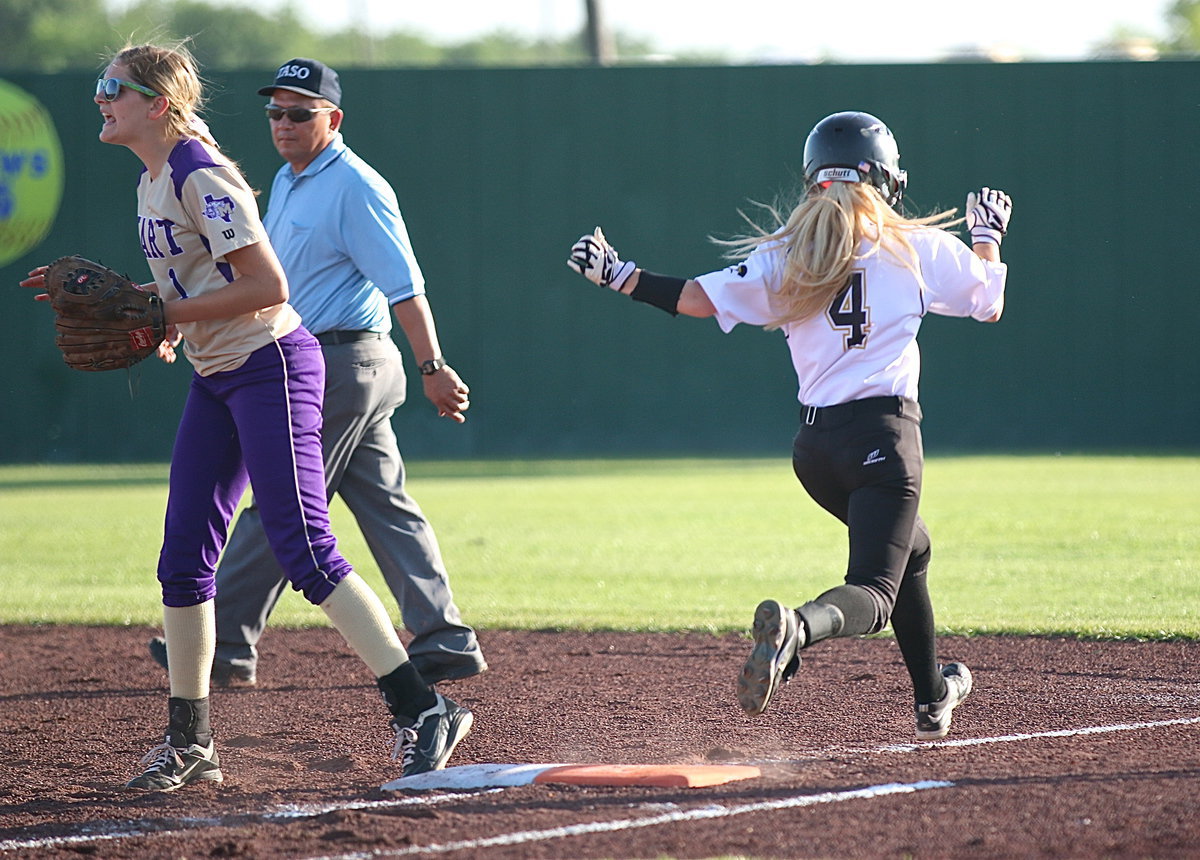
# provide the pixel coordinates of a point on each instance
(296, 114)
(111, 88)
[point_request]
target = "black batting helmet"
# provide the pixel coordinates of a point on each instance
(853, 146)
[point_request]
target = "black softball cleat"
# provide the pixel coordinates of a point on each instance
(169, 768)
(426, 743)
(933, 719)
(774, 659)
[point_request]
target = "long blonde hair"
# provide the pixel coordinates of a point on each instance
(171, 72)
(821, 238)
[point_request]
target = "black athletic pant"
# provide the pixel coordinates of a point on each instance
(862, 461)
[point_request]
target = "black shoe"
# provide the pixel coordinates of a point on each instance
(426, 743)
(774, 659)
(434, 667)
(933, 719)
(223, 674)
(169, 768)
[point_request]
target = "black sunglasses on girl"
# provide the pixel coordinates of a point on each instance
(296, 114)
(111, 88)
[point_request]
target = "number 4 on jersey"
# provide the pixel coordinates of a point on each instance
(850, 314)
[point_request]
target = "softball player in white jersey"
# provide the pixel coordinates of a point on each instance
(848, 280)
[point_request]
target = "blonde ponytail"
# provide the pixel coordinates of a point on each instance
(821, 240)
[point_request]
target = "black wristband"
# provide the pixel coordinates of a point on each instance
(662, 291)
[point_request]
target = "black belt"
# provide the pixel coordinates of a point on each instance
(334, 338)
(813, 415)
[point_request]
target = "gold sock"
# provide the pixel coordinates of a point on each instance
(191, 634)
(358, 614)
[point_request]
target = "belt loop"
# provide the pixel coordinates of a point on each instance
(810, 415)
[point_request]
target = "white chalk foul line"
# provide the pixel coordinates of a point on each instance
(1007, 739)
(704, 812)
(111, 831)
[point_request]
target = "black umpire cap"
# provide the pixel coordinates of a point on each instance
(309, 78)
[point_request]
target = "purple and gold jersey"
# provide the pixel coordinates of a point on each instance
(189, 217)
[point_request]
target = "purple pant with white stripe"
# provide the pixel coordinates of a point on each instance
(259, 424)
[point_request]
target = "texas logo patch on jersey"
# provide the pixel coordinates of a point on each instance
(218, 208)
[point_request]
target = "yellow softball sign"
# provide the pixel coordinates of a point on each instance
(31, 172)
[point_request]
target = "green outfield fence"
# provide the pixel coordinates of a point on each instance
(499, 170)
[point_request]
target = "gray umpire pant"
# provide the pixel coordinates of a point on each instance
(364, 384)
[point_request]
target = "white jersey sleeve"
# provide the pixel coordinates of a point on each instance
(957, 283)
(742, 293)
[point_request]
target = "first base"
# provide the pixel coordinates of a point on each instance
(474, 776)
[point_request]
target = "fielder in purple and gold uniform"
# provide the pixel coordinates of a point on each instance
(336, 226)
(252, 418)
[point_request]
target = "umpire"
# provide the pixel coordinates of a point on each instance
(337, 229)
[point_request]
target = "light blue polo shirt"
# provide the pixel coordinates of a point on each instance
(337, 229)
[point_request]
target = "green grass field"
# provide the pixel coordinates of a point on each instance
(1094, 546)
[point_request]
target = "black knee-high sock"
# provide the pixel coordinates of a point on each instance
(912, 622)
(857, 607)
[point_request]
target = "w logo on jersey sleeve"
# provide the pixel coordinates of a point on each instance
(218, 208)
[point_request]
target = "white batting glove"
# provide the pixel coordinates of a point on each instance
(988, 211)
(597, 261)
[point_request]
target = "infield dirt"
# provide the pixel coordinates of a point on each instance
(1066, 748)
